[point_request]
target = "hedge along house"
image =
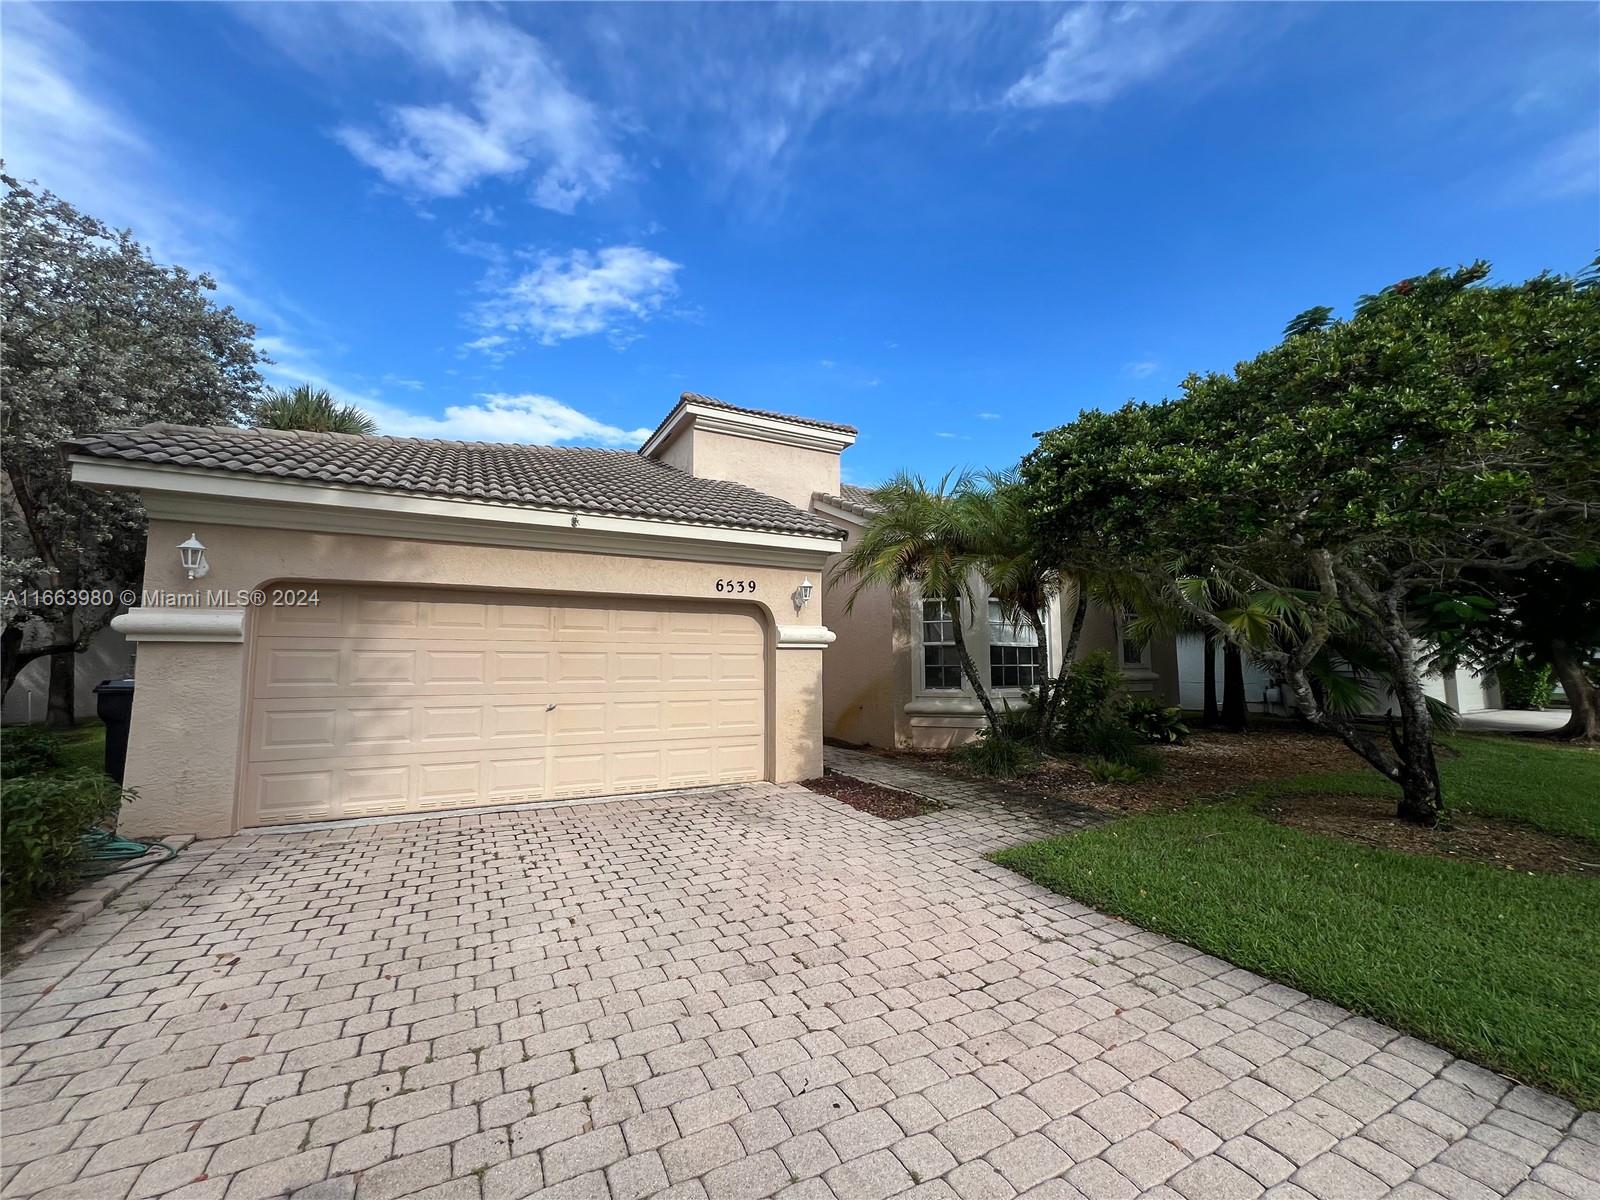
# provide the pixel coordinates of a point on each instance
(392, 625)
(893, 678)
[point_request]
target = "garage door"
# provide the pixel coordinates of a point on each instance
(377, 701)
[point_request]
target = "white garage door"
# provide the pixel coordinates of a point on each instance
(384, 701)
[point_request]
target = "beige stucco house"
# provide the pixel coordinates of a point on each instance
(359, 626)
(892, 678)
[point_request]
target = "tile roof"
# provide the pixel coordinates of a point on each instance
(851, 498)
(575, 479)
(713, 402)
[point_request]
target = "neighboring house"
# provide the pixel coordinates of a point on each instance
(109, 656)
(893, 678)
(1464, 691)
(492, 623)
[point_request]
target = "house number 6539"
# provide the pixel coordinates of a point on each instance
(736, 585)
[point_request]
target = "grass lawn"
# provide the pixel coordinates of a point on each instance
(82, 746)
(1502, 967)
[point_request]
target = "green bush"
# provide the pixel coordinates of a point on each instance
(1021, 724)
(1156, 723)
(1095, 694)
(1525, 685)
(42, 819)
(1002, 757)
(25, 750)
(1104, 770)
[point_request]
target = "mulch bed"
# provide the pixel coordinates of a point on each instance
(889, 803)
(1210, 763)
(1371, 821)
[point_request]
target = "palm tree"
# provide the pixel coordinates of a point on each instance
(932, 538)
(313, 410)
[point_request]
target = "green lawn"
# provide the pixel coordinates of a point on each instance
(1499, 966)
(82, 746)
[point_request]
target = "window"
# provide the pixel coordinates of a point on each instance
(1133, 652)
(1016, 659)
(941, 668)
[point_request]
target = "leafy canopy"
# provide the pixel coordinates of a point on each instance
(1446, 423)
(96, 336)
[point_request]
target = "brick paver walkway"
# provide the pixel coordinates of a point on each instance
(729, 996)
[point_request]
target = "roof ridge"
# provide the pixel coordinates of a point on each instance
(324, 435)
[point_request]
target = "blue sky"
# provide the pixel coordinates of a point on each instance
(949, 225)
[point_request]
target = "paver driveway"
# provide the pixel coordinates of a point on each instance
(741, 994)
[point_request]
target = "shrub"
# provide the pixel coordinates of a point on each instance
(1525, 685)
(1156, 723)
(26, 750)
(42, 819)
(1095, 694)
(1104, 770)
(1002, 756)
(1020, 724)
(1112, 739)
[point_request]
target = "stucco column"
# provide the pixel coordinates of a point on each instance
(183, 748)
(797, 701)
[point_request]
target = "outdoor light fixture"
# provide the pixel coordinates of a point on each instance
(193, 555)
(802, 594)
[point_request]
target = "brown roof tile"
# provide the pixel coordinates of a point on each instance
(575, 479)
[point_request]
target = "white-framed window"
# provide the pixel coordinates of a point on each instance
(941, 666)
(1016, 659)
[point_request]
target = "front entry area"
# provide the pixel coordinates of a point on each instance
(386, 700)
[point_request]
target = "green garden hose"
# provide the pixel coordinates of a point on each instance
(106, 854)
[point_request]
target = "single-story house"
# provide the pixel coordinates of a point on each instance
(388, 625)
(337, 626)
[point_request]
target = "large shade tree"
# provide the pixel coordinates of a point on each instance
(95, 336)
(1448, 425)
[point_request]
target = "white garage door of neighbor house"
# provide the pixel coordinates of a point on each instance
(385, 701)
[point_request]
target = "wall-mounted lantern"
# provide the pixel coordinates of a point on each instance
(193, 556)
(802, 595)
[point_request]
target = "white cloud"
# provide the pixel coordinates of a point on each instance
(1567, 166)
(578, 294)
(62, 129)
(1141, 370)
(988, 416)
(1097, 51)
(499, 417)
(510, 111)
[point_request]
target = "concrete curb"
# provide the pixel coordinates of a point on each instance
(94, 898)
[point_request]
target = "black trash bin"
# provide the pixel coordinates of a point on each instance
(114, 706)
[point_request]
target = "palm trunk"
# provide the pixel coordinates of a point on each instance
(1235, 713)
(970, 668)
(1584, 724)
(1069, 653)
(1210, 681)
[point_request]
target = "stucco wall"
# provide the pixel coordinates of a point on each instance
(184, 752)
(858, 680)
(792, 473)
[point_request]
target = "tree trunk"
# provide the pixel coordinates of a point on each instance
(1584, 724)
(1421, 799)
(970, 668)
(1211, 716)
(1235, 713)
(62, 713)
(1069, 652)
